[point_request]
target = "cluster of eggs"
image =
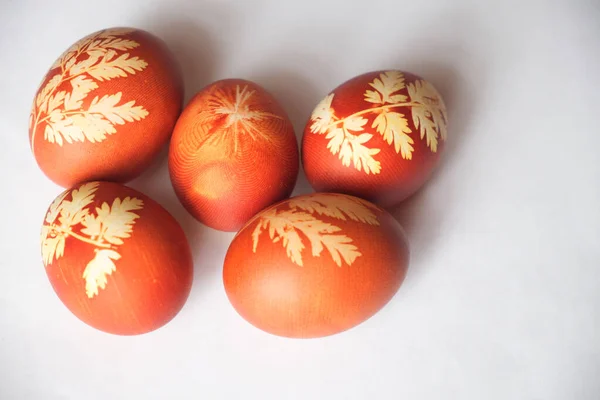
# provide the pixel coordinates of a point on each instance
(306, 266)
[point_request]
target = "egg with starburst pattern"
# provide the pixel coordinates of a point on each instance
(233, 153)
(378, 136)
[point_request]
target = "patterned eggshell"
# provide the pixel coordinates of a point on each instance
(233, 153)
(315, 265)
(116, 258)
(378, 136)
(105, 108)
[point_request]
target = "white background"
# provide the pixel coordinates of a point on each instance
(503, 293)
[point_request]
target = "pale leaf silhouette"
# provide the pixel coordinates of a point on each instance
(119, 67)
(348, 137)
(73, 211)
(354, 123)
(298, 221)
(83, 66)
(53, 242)
(117, 43)
(340, 246)
(394, 129)
(263, 223)
(96, 58)
(77, 128)
(117, 114)
(97, 270)
(95, 123)
(69, 213)
(55, 208)
(113, 223)
(69, 64)
(281, 229)
(56, 101)
(430, 117)
(94, 41)
(388, 83)
(53, 245)
(323, 115)
(319, 234)
(338, 206)
(81, 87)
(285, 227)
(43, 94)
(336, 137)
(104, 230)
(351, 148)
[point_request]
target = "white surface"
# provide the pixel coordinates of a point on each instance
(502, 297)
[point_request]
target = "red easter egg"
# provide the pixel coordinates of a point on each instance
(105, 108)
(315, 265)
(233, 153)
(378, 136)
(116, 258)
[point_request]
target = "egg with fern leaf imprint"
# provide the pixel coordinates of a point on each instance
(233, 153)
(379, 136)
(315, 265)
(105, 108)
(116, 258)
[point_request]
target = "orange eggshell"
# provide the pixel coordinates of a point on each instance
(233, 153)
(105, 108)
(315, 265)
(378, 136)
(116, 258)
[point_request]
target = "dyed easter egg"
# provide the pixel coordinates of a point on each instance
(315, 265)
(116, 258)
(378, 136)
(233, 153)
(105, 108)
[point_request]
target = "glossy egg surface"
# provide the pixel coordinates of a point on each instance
(315, 265)
(378, 136)
(233, 153)
(105, 108)
(116, 258)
